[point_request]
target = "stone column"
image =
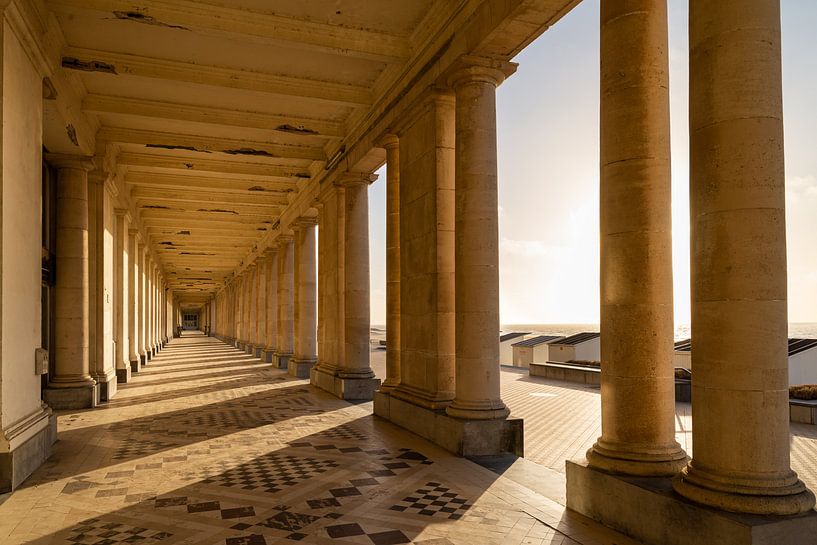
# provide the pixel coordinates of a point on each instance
(740, 424)
(72, 387)
(476, 254)
(252, 306)
(392, 146)
(286, 303)
(150, 308)
(355, 365)
(261, 304)
(143, 358)
(637, 379)
(121, 300)
(305, 298)
(426, 255)
(271, 325)
(133, 299)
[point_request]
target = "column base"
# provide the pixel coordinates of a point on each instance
(300, 368)
(143, 359)
(649, 510)
(267, 355)
(123, 376)
(259, 350)
(461, 437)
(281, 361)
(107, 384)
(81, 397)
(786, 498)
(665, 462)
(134, 365)
(344, 388)
(25, 446)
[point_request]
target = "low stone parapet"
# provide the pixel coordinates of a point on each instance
(803, 411)
(571, 372)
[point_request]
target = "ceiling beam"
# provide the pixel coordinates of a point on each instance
(208, 144)
(252, 26)
(282, 124)
(250, 220)
(150, 160)
(121, 64)
(256, 188)
(272, 203)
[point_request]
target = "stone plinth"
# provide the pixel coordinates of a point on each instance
(344, 388)
(647, 509)
(300, 368)
(281, 361)
(123, 376)
(30, 444)
(83, 397)
(267, 355)
(462, 437)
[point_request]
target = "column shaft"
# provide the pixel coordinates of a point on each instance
(271, 330)
(71, 351)
(286, 323)
(305, 354)
(121, 300)
(133, 299)
(476, 255)
(637, 381)
(356, 313)
(737, 214)
(392, 146)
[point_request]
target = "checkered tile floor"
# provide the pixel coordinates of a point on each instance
(189, 454)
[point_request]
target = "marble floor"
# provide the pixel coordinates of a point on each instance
(208, 445)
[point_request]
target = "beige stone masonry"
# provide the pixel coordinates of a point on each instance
(476, 225)
(426, 246)
(741, 458)
(637, 380)
(72, 385)
(286, 303)
(305, 350)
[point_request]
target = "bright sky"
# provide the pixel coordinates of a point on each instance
(547, 119)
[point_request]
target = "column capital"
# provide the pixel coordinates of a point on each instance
(470, 68)
(304, 221)
(388, 141)
(270, 251)
(284, 238)
(123, 212)
(350, 179)
(65, 160)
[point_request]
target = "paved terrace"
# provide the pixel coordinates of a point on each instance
(208, 445)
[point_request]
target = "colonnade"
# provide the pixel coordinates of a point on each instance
(126, 311)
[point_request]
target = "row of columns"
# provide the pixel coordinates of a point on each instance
(139, 317)
(737, 208)
(442, 240)
(269, 310)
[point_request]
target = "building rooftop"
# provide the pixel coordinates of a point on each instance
(795, 345)
(536, 341)
(683, 346)
(579, 338)
(801, 345)
(511, 336)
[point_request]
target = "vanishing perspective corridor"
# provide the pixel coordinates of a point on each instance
(209, 445)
